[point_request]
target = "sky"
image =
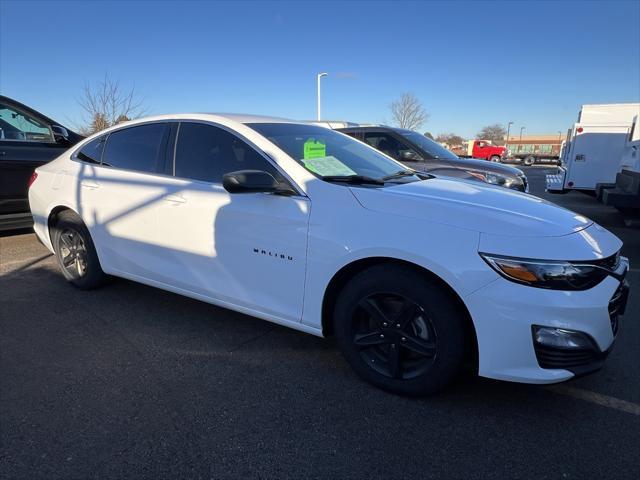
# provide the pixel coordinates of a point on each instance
(470, 63)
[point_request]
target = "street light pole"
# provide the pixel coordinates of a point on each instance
(319, 76)
(506, 145)
(521, 129)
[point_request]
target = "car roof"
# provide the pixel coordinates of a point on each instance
(249, 118)
(368, 128)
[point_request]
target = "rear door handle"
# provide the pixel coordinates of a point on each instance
(174, 199)
(89, 184)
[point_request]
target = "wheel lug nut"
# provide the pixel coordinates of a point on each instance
(397, 325)
(404, 339)
(381, 336)
(384, 324)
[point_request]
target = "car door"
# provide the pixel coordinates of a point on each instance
(26, 142)
(120, 197)
(395, 148)
(247, 250)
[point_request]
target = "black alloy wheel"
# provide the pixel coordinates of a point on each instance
(400, 329)
(394, 335)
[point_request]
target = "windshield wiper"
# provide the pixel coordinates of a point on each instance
(355, 179)
(400, 174)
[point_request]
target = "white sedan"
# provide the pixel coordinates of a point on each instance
(308, 228)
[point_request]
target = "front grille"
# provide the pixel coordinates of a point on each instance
(550, 357)
(616, 306)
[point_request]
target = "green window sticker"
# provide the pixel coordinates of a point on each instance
(326, 166)
(314, 149)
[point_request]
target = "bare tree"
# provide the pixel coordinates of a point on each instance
(496, 133)
(106, 104)
(408, 112)
(451, 139)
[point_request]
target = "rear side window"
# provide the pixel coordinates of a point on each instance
(206, 153)
(92, 151)
(139, 148)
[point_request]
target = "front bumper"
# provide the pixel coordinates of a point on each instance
(504, 313)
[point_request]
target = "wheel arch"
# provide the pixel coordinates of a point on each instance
(348, 271)
(53, 216)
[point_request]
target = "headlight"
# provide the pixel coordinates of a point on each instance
(555, 275)
(496, 179)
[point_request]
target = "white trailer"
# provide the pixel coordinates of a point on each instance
(593, 148)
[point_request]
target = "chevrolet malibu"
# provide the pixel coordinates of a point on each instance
(308, 228)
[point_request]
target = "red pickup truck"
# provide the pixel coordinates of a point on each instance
(485, 150)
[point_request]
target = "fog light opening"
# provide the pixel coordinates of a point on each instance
(561, 338)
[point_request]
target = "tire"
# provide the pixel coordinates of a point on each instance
(495, 158)
(528, 161)
(422, 356)
(75, 252)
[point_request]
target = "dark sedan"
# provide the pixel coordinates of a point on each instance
(28, 139)
(423, 154)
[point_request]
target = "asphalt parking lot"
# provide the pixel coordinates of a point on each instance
(132, 382)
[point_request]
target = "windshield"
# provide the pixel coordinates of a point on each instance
(434, 149)
(329, 154)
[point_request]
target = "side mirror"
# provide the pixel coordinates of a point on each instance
(410, 155)
(253, 181)
(60, 134)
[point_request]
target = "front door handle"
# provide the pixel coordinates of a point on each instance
(174, 199)
(89, 184)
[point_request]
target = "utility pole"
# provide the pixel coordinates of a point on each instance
(319, 76)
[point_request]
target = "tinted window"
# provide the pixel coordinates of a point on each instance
(386, 144)
(20, 126)
(92, 151)
(138, 148)
(206, 153)
(429, 147)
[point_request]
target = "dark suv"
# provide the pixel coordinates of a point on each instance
(420, 153)
(28, 139)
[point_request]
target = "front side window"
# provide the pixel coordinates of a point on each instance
(205, 153)
(326, 153)
(19, 126)
(431, 148)
(140, 148)
(92, 151)
(386, 144)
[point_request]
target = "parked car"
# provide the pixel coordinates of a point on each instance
(423, 154)
(308, 228)
(28, 139)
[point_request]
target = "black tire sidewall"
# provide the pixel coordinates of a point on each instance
(442, 311)
(94, 275)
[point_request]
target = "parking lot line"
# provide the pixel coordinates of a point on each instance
(597, 398)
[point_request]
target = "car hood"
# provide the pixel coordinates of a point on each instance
(473, 206)
(484, 165)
